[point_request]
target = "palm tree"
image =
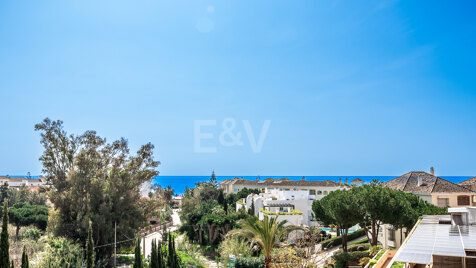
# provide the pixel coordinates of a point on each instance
(266, 233)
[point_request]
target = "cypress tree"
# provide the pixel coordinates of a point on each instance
(153, 256)
(4, 243)
(221, 198)
(252, 208)
(172, 258)
(90, 248)
(24, 259)
(137, 255)
(160, 256)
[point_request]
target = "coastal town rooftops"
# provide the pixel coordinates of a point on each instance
(422, 182)
(283, 181)
(19, 179)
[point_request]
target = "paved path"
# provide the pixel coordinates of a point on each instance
(320, 258)
(147, 240)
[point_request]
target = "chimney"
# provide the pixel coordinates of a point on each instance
(340, 180)
(346, 181)
(432, 171)
(419, 181)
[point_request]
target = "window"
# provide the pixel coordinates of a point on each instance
(312, 192)
(325, 192)
(319, 192)
(443, 202)
(463, 200)
(391, 234)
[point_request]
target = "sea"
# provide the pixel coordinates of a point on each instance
(179, 183)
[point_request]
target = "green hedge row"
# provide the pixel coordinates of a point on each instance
(335, 241)
(249, 262)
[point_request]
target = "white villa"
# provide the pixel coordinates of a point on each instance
(15, 182)
(294, 206)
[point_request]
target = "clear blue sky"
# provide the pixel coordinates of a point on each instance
(350, 88)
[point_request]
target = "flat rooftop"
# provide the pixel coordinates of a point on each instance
(434, 236)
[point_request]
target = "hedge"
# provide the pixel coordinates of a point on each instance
(293, 212)
(335, 241)
(249, 262)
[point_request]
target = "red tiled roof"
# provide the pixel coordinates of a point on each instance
(428, 184)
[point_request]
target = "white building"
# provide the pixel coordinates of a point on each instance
(316, 188)
(16, 182)
(295, 206)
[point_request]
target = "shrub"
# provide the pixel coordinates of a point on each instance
(335, 241)
(358, 247)
(62, 252)
(235, 246)
(249, 262)
(293, 212)
(363, 261)
(32, 233)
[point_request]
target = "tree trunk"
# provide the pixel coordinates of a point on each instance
(344, 239)
(17, 232)
(374, 234)
(267, 261)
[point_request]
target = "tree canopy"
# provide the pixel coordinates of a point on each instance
(97, 180)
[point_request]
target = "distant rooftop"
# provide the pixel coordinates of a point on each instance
(422, 182)
(283, 182)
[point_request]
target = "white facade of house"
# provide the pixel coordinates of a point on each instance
(20, 181)
(277, 200)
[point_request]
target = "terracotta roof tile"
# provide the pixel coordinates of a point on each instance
(428, 184)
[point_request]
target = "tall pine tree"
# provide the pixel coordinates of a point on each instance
(24, 259)
(4, 239)
(90, 248)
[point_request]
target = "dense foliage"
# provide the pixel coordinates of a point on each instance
(95, 180)
(61, 252)
(370, 206)
(204, 219)
(24, 214)
(266, 233)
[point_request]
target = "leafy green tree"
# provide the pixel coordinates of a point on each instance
(3, 192)
(24, 214)
(373, 204)
(24, 259)
(95, 180)
(90, 248)
(24, 195)
(339, 208)
(137, 255)
(266, 233)
(4, 239)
